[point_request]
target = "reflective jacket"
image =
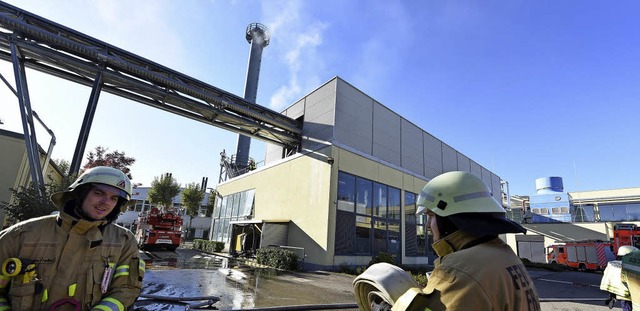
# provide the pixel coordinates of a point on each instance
(612, 280)
(71, 256)
(474, 273)
(631, 276)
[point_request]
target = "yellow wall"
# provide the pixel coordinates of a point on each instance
(297, 189)
(15, 167)
(303, 189)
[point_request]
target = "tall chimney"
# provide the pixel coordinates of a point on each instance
(258, 36)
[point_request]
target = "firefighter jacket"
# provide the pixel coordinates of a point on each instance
(631, 276)
(612, 280)
(71, 256)
(473, 273)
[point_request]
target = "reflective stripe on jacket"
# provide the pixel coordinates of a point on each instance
(487, 276)
(71, 256)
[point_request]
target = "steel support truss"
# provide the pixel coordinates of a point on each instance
(28, 40)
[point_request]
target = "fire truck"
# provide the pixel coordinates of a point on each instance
(157, 229)
(625, 234)
(582, 255)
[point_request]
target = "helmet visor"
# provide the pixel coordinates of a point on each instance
(112, 189)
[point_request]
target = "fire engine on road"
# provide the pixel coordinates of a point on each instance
(157, 229)
(582, 255)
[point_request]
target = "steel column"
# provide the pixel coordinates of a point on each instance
(86, 125)
(27, 120)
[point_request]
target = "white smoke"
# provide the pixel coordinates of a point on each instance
(297, 40)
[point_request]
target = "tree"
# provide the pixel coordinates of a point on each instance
(27, 203)
(163, 190)
(67, 179)
(114, 159)
(192, 196)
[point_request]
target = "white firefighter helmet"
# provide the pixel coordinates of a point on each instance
(97, 175)
(467, 202)
(457, 192)
(626, 249)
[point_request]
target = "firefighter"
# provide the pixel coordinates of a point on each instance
(612, 280)
(631, 277)
(78, 259)
(475, 269)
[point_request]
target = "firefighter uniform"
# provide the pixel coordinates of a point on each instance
(75, 260)
(631, 276)
(71, 256)
(495, 278)
(612, 281)
(475, 270)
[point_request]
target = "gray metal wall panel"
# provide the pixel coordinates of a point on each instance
(412, 154)
(449, 158)
(296, 110)
(496, 187)
(464, 164)
(273, 153)
(432, 155)
(486, 178)
(354, 118)
(476, 169)
(386, 134)
(319, 115)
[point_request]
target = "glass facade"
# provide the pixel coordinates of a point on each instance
(416, 237)
(368, 219)
(233, 207)
(619, 212)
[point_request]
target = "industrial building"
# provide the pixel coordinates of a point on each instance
(15, 167)
(348, 193)
(558, 216)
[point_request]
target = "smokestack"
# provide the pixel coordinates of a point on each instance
(258, 36)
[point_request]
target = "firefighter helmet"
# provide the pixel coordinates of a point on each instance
(457, 192)
(460, 200)
(626, 249)
(98, 175)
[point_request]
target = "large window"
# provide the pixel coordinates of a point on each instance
(619, 212)
(368, 217)
(233, 207)
(416, 237)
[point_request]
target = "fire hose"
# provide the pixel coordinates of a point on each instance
(381, 285)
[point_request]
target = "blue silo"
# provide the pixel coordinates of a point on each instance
(550, 203)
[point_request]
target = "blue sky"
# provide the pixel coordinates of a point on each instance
(527, 89)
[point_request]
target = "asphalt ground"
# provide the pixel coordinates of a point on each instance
(561, 291)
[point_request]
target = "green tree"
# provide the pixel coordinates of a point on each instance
(67, 179)
(192, 197)
(27, 203)
(114, 159)
(163, 190)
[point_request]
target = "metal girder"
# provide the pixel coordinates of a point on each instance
(63, 52)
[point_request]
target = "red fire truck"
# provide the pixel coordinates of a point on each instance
(581, 255)
(625, 234)
(158, 229)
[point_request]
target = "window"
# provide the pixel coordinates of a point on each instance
(236, 206)
(363, 203)
(346, 191)
(380, 200)
(368, 217)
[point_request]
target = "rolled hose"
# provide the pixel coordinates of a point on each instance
(381, 282)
